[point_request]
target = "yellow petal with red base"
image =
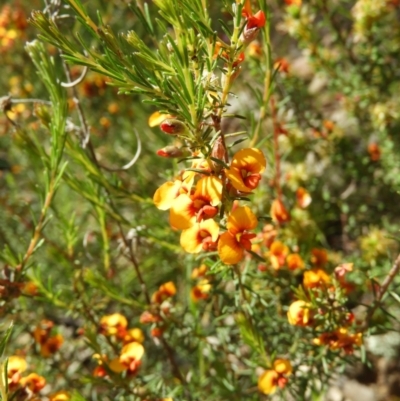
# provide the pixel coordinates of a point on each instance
(299, 313)
(193, 238)
(229, 249)
(267, 382)
(198, 206)
(241, 219)
(211, 188)
(246, 168)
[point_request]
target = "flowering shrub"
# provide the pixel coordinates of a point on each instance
(200, 206)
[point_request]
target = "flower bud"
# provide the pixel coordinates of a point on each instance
(173, 127)
(170, 152)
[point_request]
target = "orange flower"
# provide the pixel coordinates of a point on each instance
(374, 152)
(52, 345)
(165, 291)
(199, 271)
(278, 212)
(114, 324)
(34, 382)
(299, 314)
(294, 261)
(201, 205)
(315, 278)
(246, 168)
(282, 65)
(129, 359)
(276, 377)
(277, 254)
(303, 198)
(200, 291)
(233, 243)
(202, 236)
(319, 257)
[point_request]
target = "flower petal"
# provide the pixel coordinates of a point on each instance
(181, 215)
(229, 249)
(166, 194)
(241, 219)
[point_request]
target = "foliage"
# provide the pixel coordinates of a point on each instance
(269, 133)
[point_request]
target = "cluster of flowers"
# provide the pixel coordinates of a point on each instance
(194, 205)
(13, 24)
(115, 326)
(29, 386)
(48, 342)
(302, 313)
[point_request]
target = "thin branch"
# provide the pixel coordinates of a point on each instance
(381, 292)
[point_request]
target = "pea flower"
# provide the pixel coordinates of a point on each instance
(246, 168)
(294, 261)
(315, 278)
(299, 313)
(278, 212)
(277, 254)
(234, 242)
(114, 324)
(33, 382)
(303, 198)
(129, 359)
(201, 236)
(276, 377)
(201, 205)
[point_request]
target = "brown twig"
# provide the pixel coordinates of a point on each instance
(381, 292)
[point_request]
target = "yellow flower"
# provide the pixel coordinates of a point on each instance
(268, 381)
(201, 236)
(165, 291)
(16, 365)
(200, 291)
(283, 367)
(34, 382)
(129, 359)
(294, 261)
(315, 278)
(134, 334)
(201, 205)
(299, 313)
(272, 378)
(246, 168)
(165, 195)
(60, 396)
(277, 254)
(113, 324)
(234, 242)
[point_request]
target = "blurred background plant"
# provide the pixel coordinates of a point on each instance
(104, 301)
